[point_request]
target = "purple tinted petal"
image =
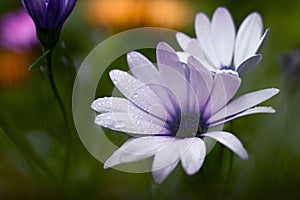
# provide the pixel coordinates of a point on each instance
(201, 82)
(250, 111)
(166, 56)
(37, 11)
(54, 11)
(224, 88)
(146, 72)
(230, 141)
(244, 102)
(170, 69)
(248, 65)
(142, 68)
(138, 93)
(168, 99)
(67, 9)
(181, 88)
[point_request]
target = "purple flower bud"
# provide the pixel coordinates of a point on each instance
(49, 17)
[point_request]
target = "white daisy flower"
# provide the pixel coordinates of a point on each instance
(170, 110)
(217, 45)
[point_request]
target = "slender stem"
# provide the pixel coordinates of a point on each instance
(53, 85)
(62, 108)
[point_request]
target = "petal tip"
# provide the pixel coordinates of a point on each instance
(275, 91)
(244, 155)
(93, 105)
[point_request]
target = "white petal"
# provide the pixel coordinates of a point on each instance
(197, 51)
(183, 56)
(193, 153)
(142, 68)
(137, 92)
(183, 40)
(122, 105)
(223, 35)
(224, 88)
(248, 65)
(133, 124)
(244, 102)
(136, 149)
(250, 111)
(161, 174)
(203, 32)
(111, 104)
(198, 65)
(230, 141)
(248, 37)
(165, 160)
(262, 40)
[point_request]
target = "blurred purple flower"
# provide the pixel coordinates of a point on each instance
(17, 31)
(49, 17)
(171, 109)
(290, 67)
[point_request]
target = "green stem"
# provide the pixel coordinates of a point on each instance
(62, 108)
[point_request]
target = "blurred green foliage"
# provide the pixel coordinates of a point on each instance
(33, 134)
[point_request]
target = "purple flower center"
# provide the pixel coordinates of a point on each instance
(227, 68)
(187, 125)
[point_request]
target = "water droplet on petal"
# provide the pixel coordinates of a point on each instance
(115, 81)
(120, 125)
(135, 95)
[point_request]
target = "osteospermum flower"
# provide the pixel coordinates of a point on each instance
(218, 47)
(171, 109)
(49, 17)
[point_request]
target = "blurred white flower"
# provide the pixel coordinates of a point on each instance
(217, 45)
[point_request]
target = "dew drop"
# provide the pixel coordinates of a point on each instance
(120, 125)
(115, 81)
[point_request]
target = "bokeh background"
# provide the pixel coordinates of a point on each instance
(41, 159)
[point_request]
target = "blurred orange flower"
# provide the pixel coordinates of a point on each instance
(13, 68)
(126, 14)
